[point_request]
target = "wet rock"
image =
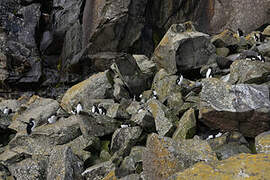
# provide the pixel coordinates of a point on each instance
(98, 171)
(182, 48)
(38, 108)
(245, 71)
(235, 107)
(28, 169)
(241, 166)
(146, 66)
(128, 71)
(186, 126)
(262, 142)
(64, 164)
(124, 138)
(97, 125)
(164, 156)
(145, 120)
(229, 144)
(164, 120)
(96, 87)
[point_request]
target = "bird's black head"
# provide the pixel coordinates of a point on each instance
(31, 120)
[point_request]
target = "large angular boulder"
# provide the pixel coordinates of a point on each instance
(240, 107)
(38, 108)
(28, 169)
(98, 171)
(44, 138)
(262, 143)
(164, 156)
(183, 48)
(144, 119)
(242, 166)
(186, 126)
(98, 86)
(127, 70)
(124, 138)
(164, 119)
(97, 125)
(245, 71)
(64, 164)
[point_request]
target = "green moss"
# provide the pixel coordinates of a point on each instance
(105, 145)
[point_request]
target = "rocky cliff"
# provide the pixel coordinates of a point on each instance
(127, 89)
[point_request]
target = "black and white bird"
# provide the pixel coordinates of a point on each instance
(7, 111)
(155, 95)
(179, 80)
(208, 73)
(94, 109)
(124, 125)
(52, 119)
(79, 108)
(30, 126)
(101, 110)
(240, 33)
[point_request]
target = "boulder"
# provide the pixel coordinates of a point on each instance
(145, 120)
(242, 166)
(182, 48)
(167, 89)
(164, 156)
(44, 138)
(128, 71)
(229, 144)
(98, 86)
(98, 171)
(118, 111)
(124, 138)
(38, 108)
(64, 164)
(164, 120)
(132, 163)
(97, 125)
(146, 66)
(3, 69)
(134, 107)
(248, 72)
(225, 39)
(186, 126)
(240, 107)
(28, 169)
(262, 143)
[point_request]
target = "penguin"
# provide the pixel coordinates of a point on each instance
(140, 110)
(256, 37)
(52, 119)
(260, 58)
(155, 95)
(179, 80)
(102, 110)
(218, 135)
(79, 108)
(94, 109)
(7, 111)
(30, 126)
(240, 33)
(208, 73)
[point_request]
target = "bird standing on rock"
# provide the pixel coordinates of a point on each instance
(52, 119)
(102, 110)
(179, 80)
(208, 73)
(7, 111)
(30, 125)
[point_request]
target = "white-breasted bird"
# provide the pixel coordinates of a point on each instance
(208, 73)
(7, 111)
(101, 110)
(79, 108)
(179, 80)
(52, 119)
